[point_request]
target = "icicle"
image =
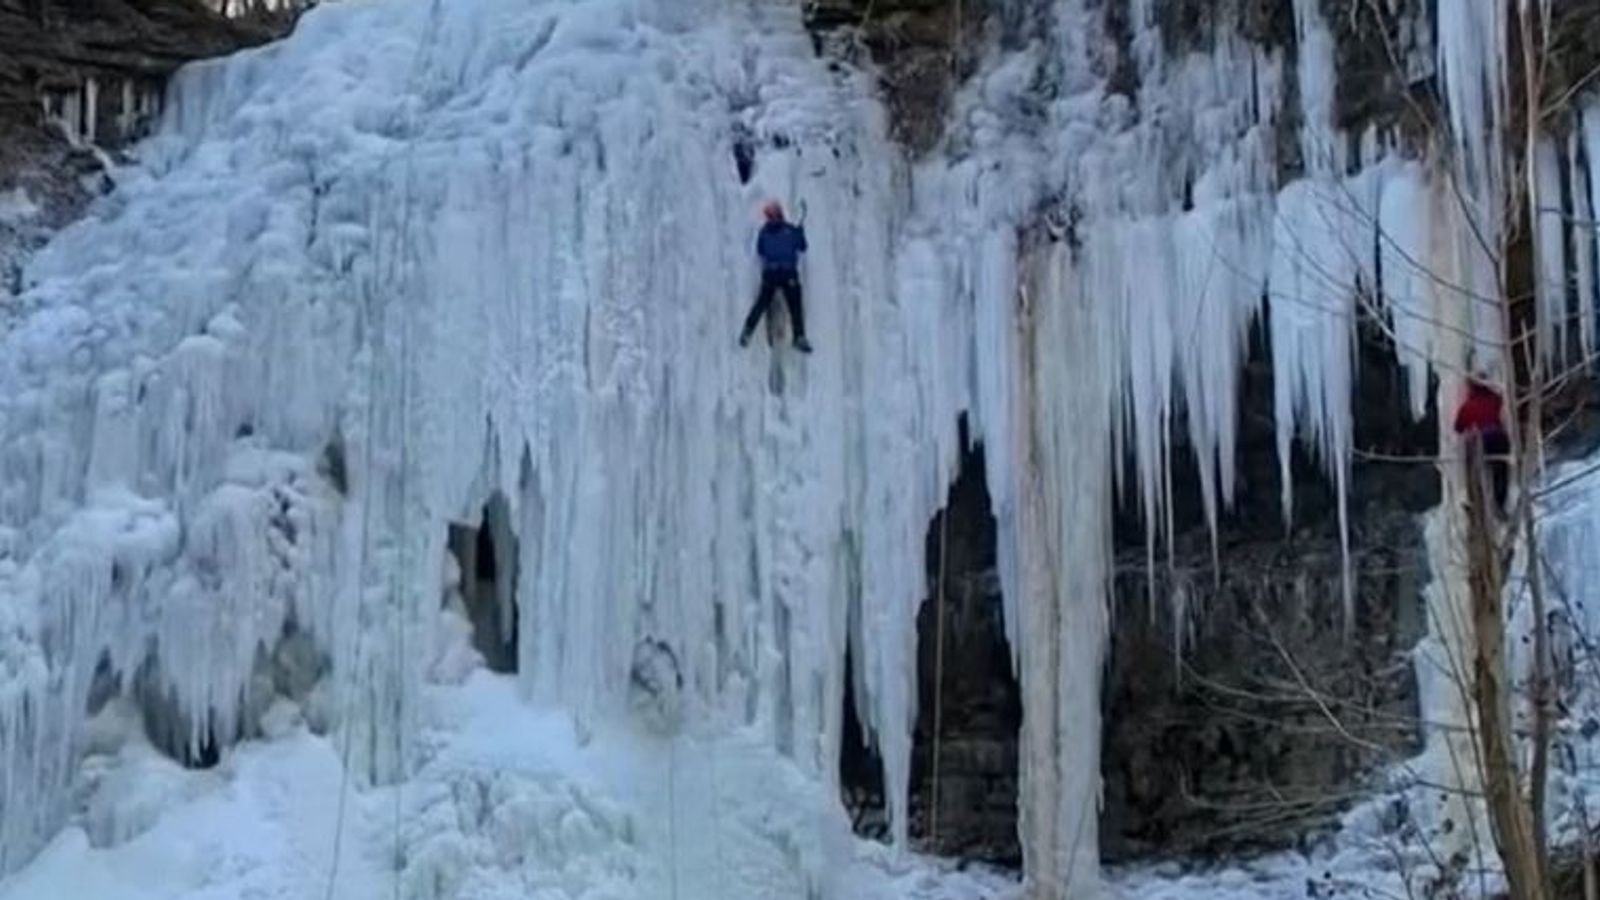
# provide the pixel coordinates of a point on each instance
(1588, 244)
(1220, 258)
(1321, 247)
(1322, 146)
(1065, 541)
(1315, 261)
(1403, 258)
(1579, 170)
(1471, 54)
(127, 110)
(1550, 271)
(91, 109)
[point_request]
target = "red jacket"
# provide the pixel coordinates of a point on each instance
(1480, 411)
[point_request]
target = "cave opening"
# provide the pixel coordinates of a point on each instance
(486, 554)
(964, 764)
(964, 772)
(860, 768)
(171, 730)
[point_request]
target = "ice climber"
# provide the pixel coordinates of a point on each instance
(1478, 421)
(779, 245)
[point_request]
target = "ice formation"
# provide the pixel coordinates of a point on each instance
(422, 255)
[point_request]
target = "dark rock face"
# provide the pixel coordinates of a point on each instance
(922, 49)
(1269, 721)
(969, 703)
(1277, 712)
(80, 72)
(1385, 61)
(964, 767)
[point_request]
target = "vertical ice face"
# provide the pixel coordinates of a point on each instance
(484, 249)
(1569, 526)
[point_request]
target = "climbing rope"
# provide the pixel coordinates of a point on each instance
(361, 567)
(672, 811)
(397, 576)
(401, 573)
(938, 674)
(716, 819)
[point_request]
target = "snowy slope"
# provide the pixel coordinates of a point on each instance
(424, 254)
(505, 804)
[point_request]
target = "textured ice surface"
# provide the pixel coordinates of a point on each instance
(422, 254)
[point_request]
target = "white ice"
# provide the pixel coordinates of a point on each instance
(497, 251)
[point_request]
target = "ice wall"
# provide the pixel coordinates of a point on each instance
(502, 247)
(468, 248)
(1163, 224)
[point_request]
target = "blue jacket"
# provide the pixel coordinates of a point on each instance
(779, 245)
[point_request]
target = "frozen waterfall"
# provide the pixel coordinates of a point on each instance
(425, 256)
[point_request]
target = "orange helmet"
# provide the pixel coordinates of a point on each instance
(773, 210)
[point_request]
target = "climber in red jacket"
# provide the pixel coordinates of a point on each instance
(1480, 418)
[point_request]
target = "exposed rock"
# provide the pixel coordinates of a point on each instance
(1384, 56)
(487, 562)
(655, 686)
(1277, 712)
(82, 77)
(969, 685)
(923, 49)
(1268, 722)
(93, 66)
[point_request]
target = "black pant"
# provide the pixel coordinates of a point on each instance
(772, 281)
(1497, 452)
(1492, 449)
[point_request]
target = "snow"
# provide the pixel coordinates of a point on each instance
(16, 207)
(507, 803)
(424, 258)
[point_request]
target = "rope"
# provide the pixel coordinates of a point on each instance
(371, 313)
(672, 811)
(401, 573)
(938, 674)
(716, 818)
(361, 567)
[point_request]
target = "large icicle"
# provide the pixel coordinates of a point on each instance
(1471, 60)
(1404, 257)
(1550, 266)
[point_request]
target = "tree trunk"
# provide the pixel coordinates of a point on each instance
(1510, 813)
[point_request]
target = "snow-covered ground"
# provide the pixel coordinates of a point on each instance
(510, 801)
(508, 804)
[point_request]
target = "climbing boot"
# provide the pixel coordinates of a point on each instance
(803, 345)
